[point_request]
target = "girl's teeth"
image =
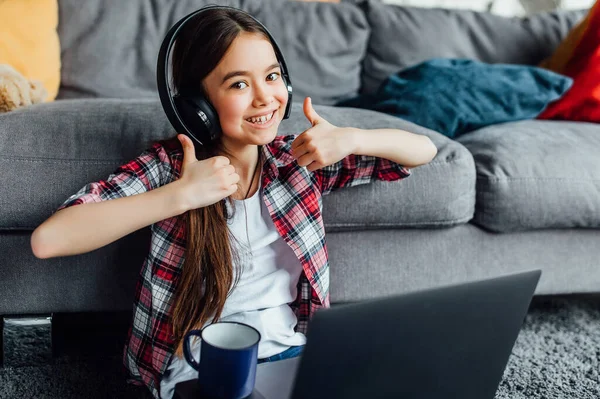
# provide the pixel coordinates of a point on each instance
(261, 119)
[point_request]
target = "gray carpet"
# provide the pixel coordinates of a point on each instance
(557, 355)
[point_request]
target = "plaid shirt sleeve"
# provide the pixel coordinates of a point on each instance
(152, 169)
(358, 169)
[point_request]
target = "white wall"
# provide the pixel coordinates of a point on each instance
(501, 7)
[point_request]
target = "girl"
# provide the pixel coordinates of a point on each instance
(237, 230)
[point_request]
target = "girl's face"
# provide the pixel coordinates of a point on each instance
(248, 92)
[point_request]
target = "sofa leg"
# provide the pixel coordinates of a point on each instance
(26, 341)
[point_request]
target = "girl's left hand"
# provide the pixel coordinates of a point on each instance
(322, 144)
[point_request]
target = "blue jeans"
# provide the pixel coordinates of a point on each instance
(289, 353)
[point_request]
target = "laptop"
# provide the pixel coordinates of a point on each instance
(448, 342)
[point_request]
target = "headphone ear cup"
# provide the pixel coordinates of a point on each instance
(288, 107)
(199, 118)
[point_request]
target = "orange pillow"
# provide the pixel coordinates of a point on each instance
(578, 57)
(29, 40)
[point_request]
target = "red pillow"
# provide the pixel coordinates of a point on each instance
(582, 101)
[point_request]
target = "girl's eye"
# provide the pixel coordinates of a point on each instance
(236, 85)
(242, 85)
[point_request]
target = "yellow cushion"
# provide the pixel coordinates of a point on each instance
(29, 40)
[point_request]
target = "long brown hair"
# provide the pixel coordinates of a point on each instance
(207, 274)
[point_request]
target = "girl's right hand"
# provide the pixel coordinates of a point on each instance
(205, 182)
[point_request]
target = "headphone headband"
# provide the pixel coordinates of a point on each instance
(190, 113)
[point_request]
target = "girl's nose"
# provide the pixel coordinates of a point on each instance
(263, 95)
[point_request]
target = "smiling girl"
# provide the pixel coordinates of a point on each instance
(236, 226)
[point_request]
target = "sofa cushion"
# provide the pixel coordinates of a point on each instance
(30, 42)
(582, 101)
(110, 49)
(438, 194)
(404, 36)
(536, 175)
(457, 96)
(49, 151)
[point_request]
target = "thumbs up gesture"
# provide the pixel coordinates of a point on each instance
(204, 182)
(322, 144)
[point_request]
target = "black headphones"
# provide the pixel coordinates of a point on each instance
(190, 112)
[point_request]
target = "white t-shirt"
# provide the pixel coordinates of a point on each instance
(269, 274)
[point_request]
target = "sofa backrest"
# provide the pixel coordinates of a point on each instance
(109, 48)
(403, 36)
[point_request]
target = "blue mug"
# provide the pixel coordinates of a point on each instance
(228, 358)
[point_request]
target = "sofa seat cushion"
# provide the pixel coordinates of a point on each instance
(536, 175)
(438, 194)
(49, 151)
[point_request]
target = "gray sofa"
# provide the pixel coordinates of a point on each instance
(502, 199)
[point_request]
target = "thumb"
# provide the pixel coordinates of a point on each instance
(189, 153)
(310, 112)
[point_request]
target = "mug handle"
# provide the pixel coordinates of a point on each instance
(187, 351)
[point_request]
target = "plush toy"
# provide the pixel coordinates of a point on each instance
(17, 91)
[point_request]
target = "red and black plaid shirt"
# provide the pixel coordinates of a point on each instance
(292, 195)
